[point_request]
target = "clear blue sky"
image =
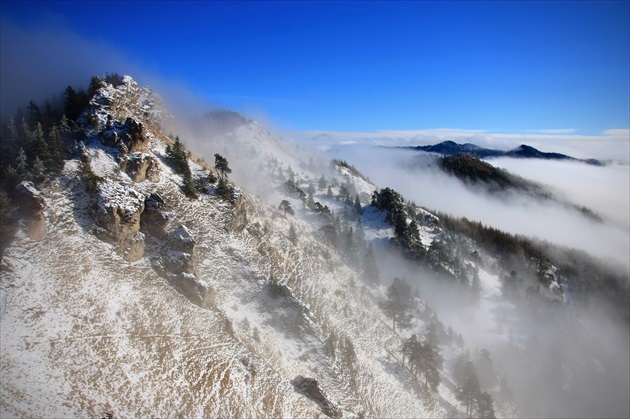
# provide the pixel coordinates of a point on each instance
(362, 66)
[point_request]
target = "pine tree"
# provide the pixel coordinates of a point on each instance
(189, 187)
(322, 183)
(432, 361)
(34, 113)
(350, 247)
(56, 149)
(221, 164)
(39, 146)
(485, 407)
(399, 304)
(485, 369)
(224, 190)
(21, 163)
(285, 206)
(470, 389)
(39, 170)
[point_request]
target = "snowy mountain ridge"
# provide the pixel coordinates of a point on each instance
(115, 336)
(153, 291)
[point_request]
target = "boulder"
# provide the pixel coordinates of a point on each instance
(132, 248)
(134, 138)
(182, 240)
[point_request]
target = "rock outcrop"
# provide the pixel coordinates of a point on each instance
(141, 167)
(178, 258)
(178, 262)
(240, 214)
(116, 212)
(154, 220)
(32, 206)
(310, 388)
(127, 137)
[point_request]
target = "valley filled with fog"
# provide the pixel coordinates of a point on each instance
(528, 344)
(605, 190)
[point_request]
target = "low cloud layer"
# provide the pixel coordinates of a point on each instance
(603, 189)
(613, 144)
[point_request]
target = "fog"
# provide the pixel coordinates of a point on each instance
(612, 144)
(604, 189)
(38, 62)
(568, 362)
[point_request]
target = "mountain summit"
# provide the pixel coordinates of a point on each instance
(524, 151)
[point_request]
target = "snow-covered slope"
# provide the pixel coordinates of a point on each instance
(86, 332)
(262, 301)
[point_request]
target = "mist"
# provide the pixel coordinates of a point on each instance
(561, 361)
(38, 62)
(411, 174)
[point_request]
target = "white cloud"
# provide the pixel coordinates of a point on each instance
(613, 144)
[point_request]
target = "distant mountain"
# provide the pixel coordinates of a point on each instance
(523, 151)
(471, 170)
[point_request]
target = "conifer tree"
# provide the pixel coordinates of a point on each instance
(40, 148)
(221, 164)
(34, 113)
(322, 183)
(469, 390)
(485, 407)
(38, 170)
(56, 149)
(399, 304)
(432, 361)
(285, 206)
(21, 163)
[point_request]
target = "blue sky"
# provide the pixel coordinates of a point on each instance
(358, 66)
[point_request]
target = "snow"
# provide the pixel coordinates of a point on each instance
(85, 333)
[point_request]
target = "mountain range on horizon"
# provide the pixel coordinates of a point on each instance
(523, 151)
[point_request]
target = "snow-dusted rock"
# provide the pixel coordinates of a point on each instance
(153, 219)
(240, 214)
(116, 212)
(32, 205)
(128, 136)
(141, 166)
(310, 388)
(179, 256)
